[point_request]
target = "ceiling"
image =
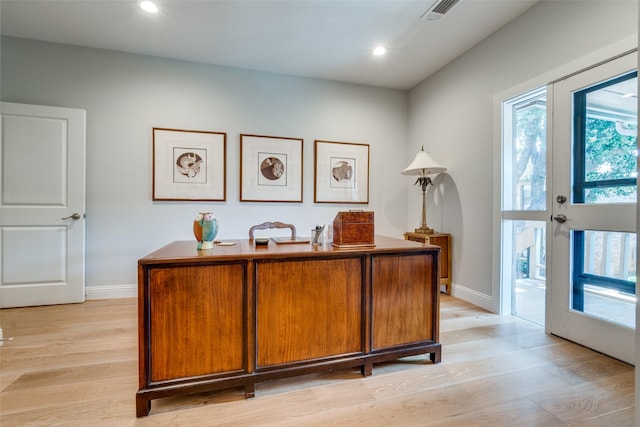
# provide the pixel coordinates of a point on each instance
(327, 39)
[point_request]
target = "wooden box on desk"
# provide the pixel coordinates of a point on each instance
(353, 229)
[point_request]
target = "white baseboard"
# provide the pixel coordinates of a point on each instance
(111, 291)
(474, 297)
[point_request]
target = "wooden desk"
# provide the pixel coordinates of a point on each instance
(444, 241)
(233, 316)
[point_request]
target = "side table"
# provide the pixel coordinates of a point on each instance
(444, 241)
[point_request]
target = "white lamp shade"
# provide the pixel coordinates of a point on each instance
(423, 164)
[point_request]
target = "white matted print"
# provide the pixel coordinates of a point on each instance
(189, 165)
(341, 172)
(270, 169)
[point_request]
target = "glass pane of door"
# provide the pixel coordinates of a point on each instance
(605, 127)
(604, 275)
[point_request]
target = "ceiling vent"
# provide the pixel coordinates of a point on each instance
(438, 10)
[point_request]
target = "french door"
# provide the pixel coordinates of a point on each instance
(593, 239)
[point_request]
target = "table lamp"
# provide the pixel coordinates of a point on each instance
(424, 165)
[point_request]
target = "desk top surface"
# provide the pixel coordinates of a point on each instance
(186, 251)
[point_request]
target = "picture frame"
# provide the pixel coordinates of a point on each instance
(270, 169)
(341, 172)
(189, 165)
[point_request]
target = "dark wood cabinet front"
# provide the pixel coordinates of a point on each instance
(308, 310)
(404, 297)
(184, 303)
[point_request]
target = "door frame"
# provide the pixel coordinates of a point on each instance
(500, 299)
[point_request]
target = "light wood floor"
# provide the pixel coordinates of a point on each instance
(76, 365)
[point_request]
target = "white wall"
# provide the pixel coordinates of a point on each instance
(126, 95)
(452, 114)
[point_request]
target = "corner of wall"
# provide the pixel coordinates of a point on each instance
(472, 296)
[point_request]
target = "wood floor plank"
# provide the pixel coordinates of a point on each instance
(76, 365)
(589, 400)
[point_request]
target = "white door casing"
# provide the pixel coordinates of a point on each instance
(42, 207)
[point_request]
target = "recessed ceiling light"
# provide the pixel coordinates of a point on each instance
(379, 51)
(148, 6)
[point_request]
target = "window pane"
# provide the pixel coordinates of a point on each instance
(610, 254)
(524, 189)
(609, 304)
(609, 154)
(604, 277)
(529, 153)
(606, 128)
(528, 270)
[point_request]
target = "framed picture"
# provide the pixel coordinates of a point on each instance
(341, 172)
(270, 169)
(189, 165)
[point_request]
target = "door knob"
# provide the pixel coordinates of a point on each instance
(74, 216)
(561, 218)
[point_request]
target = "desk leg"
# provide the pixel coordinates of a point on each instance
(143, 406)
(367, 369)
(436, 355)
(249, 390)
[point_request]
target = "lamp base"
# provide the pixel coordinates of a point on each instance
(424, 230)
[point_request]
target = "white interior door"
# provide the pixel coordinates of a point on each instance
(42, 207)
(594, 208)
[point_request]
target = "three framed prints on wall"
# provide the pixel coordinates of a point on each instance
(191, 165)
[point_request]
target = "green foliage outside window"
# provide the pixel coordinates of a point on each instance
(531, 154)
(609, 155)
